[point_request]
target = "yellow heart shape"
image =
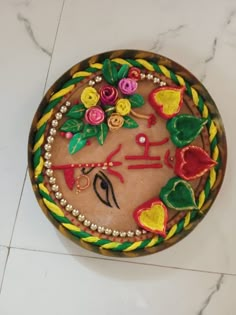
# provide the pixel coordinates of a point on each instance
(153, 219)
(169, 99)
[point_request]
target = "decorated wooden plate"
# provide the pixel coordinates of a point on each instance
(127, 153)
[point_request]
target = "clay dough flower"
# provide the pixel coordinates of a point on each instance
(94, 115)
(128, 86)
(115, 121)
(89, 97)
(134, 73)
(108, 94)
(123, 106)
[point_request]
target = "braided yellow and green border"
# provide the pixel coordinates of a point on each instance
(38, 160)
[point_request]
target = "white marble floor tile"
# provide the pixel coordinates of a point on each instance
(208, 49)
(43, 283)
(181, 30)
(3, 258)
(203, 249)
(27, 33)
(34, 231)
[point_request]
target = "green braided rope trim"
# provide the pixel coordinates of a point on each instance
(62, 219)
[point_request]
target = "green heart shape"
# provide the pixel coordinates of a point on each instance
(178, 194)
(184, 129)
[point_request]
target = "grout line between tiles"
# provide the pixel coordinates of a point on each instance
(23, 185)
(54, 44)
(4, 268)
(18, 207)
(125, 261)
(49, 67)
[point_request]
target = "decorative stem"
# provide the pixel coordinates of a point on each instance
(137, 115)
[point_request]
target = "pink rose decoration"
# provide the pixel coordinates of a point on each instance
(108, 95)
(94, 115)
(128, 86)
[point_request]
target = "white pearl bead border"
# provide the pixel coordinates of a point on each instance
(148, 76)
(52, 180)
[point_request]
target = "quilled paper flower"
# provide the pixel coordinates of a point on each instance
(90, 97)
(94, 116)
(115, 121)
(134, 73)
(123, 107)
(109, 95)
(128, 86)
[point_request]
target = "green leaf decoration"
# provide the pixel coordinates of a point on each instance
(184, 129)
(136, 100)
(76, 143)
(129, 122)
(109, 72)
(77, 111)
(89, 131)
(109, 109)
(102, 133)
(72, 125)
(123, 72)
(178, 194)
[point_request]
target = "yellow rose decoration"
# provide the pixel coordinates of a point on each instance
(123, 107)
(90, 97)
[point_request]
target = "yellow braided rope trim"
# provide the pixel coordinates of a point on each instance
(96, 65)
(201, 199)
(187, 219)
(212, 177)
(81, 74)
(133, 246)
(215, 154)
(180, 80)
(110, 245)
(212, 131)
(62, 92)
(121, 61)
(39, 168)
(44, 119)
(195, 96)
(165, 71)
(153, 241)
(171, 232)
(44, 188)
(38, 143)
(205, 111)
(91, 239)
(71, 227)
(145, 64)
(54, 208)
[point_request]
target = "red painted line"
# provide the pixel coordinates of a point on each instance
(142, 157)
(165, 140)
(143, 166)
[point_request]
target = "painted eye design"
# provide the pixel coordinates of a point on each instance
(104, 190)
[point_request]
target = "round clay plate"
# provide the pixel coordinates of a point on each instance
(127, 153)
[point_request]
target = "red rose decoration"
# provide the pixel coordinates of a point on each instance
(108, 95)
(134, 73)
(94, 115)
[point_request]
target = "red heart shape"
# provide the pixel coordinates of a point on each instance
(192, 162)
